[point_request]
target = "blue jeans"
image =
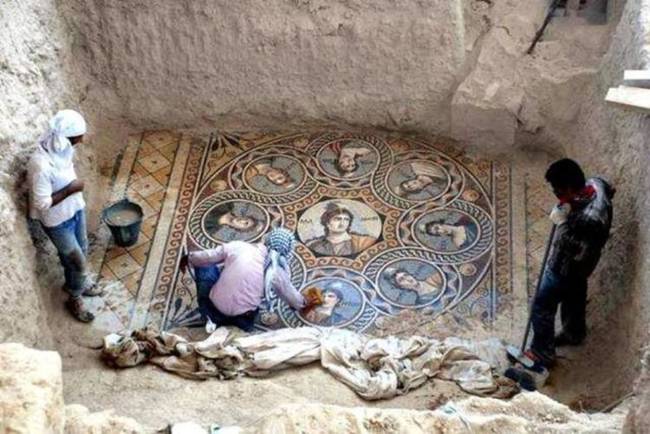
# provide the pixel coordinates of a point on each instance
(571, 293)
(206, 277)
(71, 242)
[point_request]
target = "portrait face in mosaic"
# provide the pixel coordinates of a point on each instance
(234, 221)
(342, 301)
(274, 175)
(418, 180)
(411, 283)
(339, 228)
(447, 231)
(348, 159)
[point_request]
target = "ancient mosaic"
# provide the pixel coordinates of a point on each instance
(383, 224)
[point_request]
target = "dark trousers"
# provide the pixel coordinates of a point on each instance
(206, 277)
(571, 293)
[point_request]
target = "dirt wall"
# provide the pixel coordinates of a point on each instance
(33, 86)
(391, 64)
(39, 76)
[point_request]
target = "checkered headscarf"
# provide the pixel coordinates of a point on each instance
(280, 243)
(280, 240)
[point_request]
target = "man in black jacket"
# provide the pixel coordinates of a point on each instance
(583, 219)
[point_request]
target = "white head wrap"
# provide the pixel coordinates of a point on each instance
(56, 142)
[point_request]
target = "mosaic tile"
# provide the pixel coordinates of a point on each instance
(154, 162)
(536, 242)
(541, 226)
(159, 139)
(140, 253)
(169, 151)
(145, 186)
(539, 201)
(155, 200)
(162, 175)
(123, 265)
(132, 282)
(147, 210)
(114, 252)
(138, 171)
(106, 273)
(149, 226)
(145, 149)
(116, 293)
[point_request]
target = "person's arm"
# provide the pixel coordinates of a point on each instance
(74, 187)
(42, 196)
(207, 257)
(286, 291)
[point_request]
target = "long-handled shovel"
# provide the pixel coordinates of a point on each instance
(518, 353)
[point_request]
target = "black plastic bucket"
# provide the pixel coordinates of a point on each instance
(124, 219)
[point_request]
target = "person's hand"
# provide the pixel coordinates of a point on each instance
(76, 186)
(183, 264)
(313, 297)
(560, 213)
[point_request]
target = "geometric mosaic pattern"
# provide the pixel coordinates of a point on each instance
(384, 224)
(145, 182)
(539, 199)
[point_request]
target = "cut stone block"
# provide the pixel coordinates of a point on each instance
(634, 98)
(637, 78)
(31, 390)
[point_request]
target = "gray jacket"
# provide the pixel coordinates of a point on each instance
(578, 242)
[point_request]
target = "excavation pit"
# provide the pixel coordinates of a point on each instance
(425, 121)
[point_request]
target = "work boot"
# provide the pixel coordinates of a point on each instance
(76, 307)
(564, 339)
(546, 360)
(520, 376)
(529, 377)
(93, 290)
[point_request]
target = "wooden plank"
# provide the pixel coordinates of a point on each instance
(634, 98)
(637, 78)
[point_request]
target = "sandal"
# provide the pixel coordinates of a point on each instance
(76, 307)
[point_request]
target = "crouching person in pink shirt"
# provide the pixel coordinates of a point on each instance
(233, 295)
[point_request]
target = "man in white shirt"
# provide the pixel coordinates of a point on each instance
(56, 200)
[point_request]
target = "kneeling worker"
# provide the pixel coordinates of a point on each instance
(233, 295)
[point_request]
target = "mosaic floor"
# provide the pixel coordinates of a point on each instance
(386, 225)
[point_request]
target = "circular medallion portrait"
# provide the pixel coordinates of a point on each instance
(411, 283)
(274, 174)
(339, 227)
(342, 302)
(348, 159)
(418, 180)
(447, 231)
(236, 220)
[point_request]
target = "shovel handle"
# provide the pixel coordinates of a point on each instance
(539, 283)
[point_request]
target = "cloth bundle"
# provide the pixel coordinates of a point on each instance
(375, 368)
